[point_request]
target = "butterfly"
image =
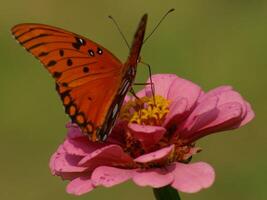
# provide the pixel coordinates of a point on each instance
(90, 80)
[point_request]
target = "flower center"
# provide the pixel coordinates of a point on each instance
(152, 111)
(146, 110)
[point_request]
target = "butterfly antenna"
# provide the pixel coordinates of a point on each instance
(116, 24)
(164, 16)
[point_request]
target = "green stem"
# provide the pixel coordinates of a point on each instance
(166, 193)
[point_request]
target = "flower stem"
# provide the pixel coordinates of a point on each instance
(166, 193)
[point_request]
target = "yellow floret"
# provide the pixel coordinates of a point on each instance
(146, 110)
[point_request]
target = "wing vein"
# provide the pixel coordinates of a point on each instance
(93, 74)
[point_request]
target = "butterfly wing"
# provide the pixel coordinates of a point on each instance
(87, 75)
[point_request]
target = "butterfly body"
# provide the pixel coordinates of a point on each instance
(90, 80)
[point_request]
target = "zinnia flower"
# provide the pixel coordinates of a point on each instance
(153, 139)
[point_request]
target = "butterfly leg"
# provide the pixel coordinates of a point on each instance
(142, 83)
(134, 94)
(153, 86)
(150, 80)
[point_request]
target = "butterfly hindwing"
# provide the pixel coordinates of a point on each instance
(92, 102)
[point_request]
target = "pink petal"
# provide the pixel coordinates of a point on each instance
(81, 146)
(127, 98)
(231, 96)
(249, 115)
(153, 177)
(215, 92)
(117, 135)
(184, 89)
(110, 176)
(229, 114)
(202, 115)
(64, 165)
(67, 163)
(147, 135)
(73, 130)
(177, 111)
(162, 83)
(107, 155)
(192, 178)
(146, 91)
(158, 155)
(60, 151)
(192, 151)
(80, 186)
(231, 111)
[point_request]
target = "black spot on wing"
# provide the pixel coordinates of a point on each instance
(61, 52)
(76, 46)
(69, 62)
(64, 84)
(99, 51)
(57, 74)
(78, 43)
(51, 63)
(43, 54)
(85, 69)
(91, 52)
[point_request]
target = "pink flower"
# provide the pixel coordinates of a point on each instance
(154, 139)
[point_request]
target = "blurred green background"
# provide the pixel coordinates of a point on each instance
(211, 42)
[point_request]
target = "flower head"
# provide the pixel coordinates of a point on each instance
(154, 139)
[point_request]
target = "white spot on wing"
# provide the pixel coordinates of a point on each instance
(115, 110)
(124, 88)
(81, 40)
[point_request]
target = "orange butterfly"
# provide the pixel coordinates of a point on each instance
(90, 80)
